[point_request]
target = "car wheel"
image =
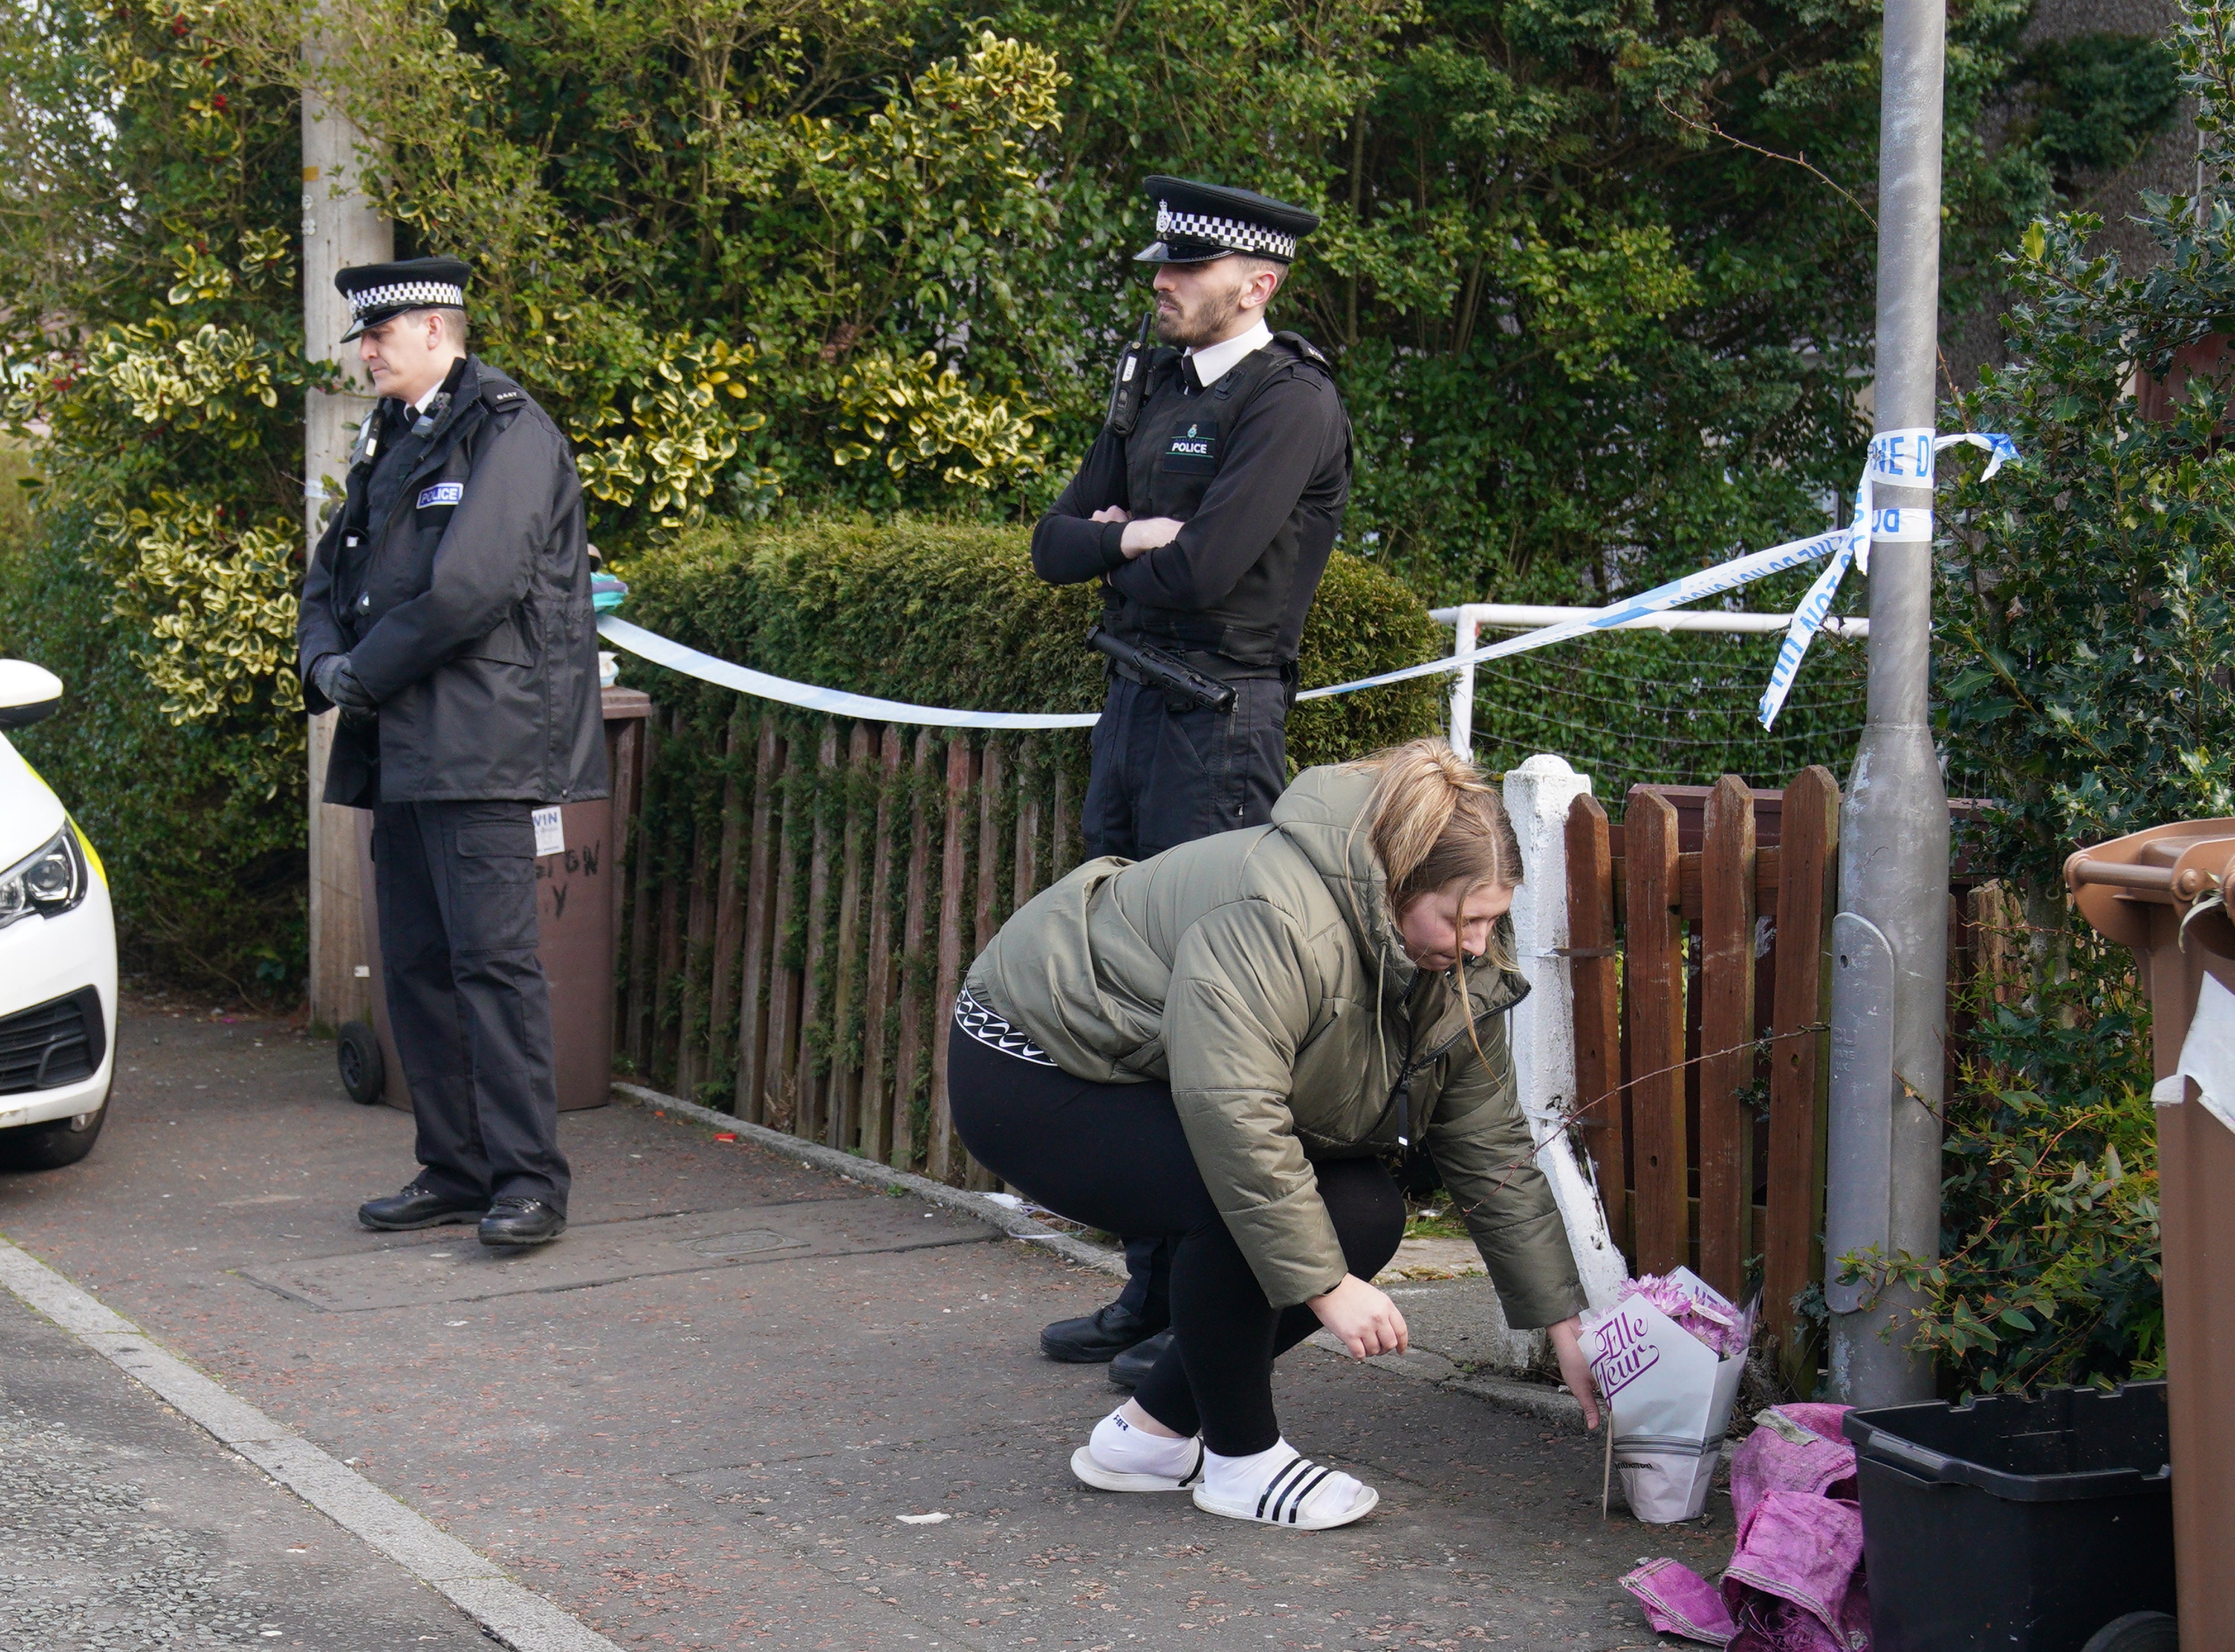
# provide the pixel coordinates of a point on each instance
(2136, 1632)
(51, 1145)
(357, 1053)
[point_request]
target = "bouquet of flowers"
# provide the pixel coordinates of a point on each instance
(1668, 1355)
(1692, 1304)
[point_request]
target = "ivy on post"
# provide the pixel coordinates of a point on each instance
(877, 1090)
(944, 1155)
(761, 931)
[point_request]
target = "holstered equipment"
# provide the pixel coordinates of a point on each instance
(1183, 687)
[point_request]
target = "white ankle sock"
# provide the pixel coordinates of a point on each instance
(1123, 1449)
(1244, 1479)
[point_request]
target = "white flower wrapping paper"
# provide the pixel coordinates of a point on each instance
(1670, 1395)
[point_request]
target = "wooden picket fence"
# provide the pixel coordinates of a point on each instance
(806, 893)
(1697, 932)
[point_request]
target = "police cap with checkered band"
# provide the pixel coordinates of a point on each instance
(1197, 222)
(377, 292)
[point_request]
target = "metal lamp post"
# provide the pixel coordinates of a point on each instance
(1890, 941)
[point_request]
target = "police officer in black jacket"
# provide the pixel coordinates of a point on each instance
(447, 613)
(1207, 507)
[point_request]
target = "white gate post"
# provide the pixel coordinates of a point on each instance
(1543, 1025)
(1465, 631)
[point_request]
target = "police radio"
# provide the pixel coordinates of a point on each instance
(1132, 380)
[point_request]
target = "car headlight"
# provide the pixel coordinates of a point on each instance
(47, 883)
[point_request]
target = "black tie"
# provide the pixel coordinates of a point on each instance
(1190, 382)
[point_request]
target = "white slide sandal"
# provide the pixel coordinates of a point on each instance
(1284, 1499)
(1110, 1479)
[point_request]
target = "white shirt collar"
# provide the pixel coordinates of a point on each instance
(1213, 362)
(420, 406)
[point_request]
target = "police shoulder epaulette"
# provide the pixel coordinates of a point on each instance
(511, 394)
(1305, 348)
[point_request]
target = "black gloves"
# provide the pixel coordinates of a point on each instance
(334, 678)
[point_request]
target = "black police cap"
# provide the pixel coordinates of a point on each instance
(1196, 222)
(376, 291)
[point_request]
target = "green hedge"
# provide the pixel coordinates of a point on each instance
(952, 615)
(938, 613)
(206, 863)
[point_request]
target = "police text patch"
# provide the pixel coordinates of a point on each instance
(1193, 450)
(443, 493)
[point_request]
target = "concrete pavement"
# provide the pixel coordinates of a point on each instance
(700, 1419)
(126, 1525)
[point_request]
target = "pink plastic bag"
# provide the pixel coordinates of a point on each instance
(1678, 1601)
(1802, 1551)
(1797, 1448)
(1794, 1584)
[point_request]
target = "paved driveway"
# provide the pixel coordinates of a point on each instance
(697, 1420)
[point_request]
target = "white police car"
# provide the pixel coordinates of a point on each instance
(57, 955)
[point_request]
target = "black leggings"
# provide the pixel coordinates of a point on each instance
(1113, 1156)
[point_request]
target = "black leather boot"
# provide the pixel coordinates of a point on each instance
(1098, 1337)
(515, 1220)
(417, 1207)
(1129, 1368)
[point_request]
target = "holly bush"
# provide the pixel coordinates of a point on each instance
(2085, 631)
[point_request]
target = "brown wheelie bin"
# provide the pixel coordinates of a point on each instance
(2160, 892)
(578, 906)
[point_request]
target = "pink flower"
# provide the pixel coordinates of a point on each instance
(1718, 1328)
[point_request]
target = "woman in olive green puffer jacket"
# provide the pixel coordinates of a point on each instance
(1220, 1044)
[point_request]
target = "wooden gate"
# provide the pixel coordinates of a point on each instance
(1697, 930)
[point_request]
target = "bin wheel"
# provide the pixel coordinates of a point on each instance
(357, 1054)
(2136, 1632)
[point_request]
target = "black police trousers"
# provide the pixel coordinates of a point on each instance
(1162, 778)
(466, 1000)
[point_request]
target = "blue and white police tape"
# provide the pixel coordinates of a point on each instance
(1901, 457)
(663, 651)
(1906, 458)
(680, 657)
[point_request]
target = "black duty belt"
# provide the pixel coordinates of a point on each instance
(1186, 678)
(1224, 667)
(1217, 666)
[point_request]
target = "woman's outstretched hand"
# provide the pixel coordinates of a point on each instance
(1575, 1368)
(1368, 1321)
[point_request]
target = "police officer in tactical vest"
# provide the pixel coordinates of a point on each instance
(447, 613)
(1207, 508)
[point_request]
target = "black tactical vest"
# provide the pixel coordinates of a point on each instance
(1176, 450)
